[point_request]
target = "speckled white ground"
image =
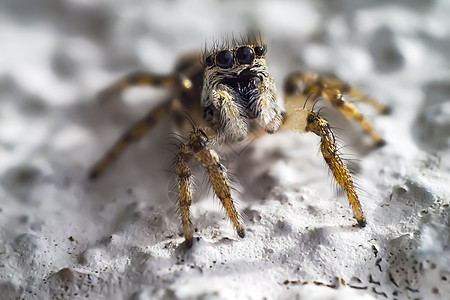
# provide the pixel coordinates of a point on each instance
(63, 237)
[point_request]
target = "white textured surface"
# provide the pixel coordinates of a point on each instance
(55, 56)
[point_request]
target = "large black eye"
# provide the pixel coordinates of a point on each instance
(245, 55)
(259, 51)
(209, 61)
(224, 59)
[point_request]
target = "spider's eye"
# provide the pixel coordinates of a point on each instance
(245, 55)
(209, 61)
(259, 51)
(224, 59)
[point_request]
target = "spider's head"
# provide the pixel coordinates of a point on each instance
(237, 87)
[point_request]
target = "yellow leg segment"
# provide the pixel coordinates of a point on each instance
(185, 190)
(313, 86)
(334, 83)
(303, 120)
(133, 134)
(139, 78)
(217, 174)
(352, 113)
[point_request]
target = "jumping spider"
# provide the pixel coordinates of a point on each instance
(228, 94)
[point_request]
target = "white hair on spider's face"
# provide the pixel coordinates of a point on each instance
(237, 87)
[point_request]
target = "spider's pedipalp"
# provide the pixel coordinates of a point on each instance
(234, 124)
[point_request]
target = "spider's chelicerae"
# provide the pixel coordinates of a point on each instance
(229, 93)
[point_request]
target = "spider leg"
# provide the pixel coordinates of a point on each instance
(352, 113)
(133, 134)
(332, 89)
(185, 191)
(196, 146)
(303, 120)
(138, 78)
(217, 175)
(334, 83)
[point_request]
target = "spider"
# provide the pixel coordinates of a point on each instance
(227, 94)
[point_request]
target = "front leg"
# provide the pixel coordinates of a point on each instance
(185, 189)
(197, 146)
(218, 176)
(312, 85)
(198, 143)
(303, 120)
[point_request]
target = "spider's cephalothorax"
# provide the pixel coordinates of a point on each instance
(237, 87)
(226, 94)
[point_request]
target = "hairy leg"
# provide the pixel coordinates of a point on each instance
(138, 78)
(334, 83)
(352, 113)
(303, 120)
(198, 143)
(217, 174)
(311, 84)
(185, 191)
(133, 134)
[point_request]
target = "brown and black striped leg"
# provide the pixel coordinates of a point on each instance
(310, 83)
(303, 120)
(138, 78)
(217, 174)
(352, 113)
(334, 83)
(133, 134)
(185, 191)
